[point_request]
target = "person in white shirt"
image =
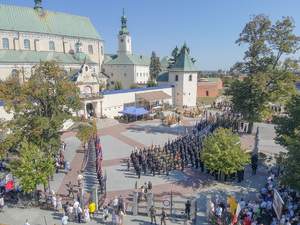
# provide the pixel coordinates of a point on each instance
(70, 211)
(242, 203)
(249, 213)
(219, 211)
(27, 222)
(263, 204)
(255, 208)
(250, 205)
(75, 205)
(115, 202)
(53, 202)
(282, 221)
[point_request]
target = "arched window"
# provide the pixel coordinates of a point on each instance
(5, 43)
(26, 44)
(14, 73)
(90, 48)
(125, 74)
(176, 77)
(51, 46)
(190, 78)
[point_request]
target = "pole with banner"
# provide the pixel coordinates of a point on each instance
(9, 182)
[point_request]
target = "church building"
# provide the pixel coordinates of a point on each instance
(31, 35)
(125, 67)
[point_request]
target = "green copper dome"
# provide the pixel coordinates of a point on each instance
(80, 56)
(124, 24)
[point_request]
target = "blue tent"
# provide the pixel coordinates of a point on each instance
(128, 110)
(139, 112)
(134, 111)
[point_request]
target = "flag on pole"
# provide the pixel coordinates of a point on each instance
(99, 146)
(237, 212)
(9, 182)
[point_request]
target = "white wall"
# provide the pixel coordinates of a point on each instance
(113, 103)
(4, 115)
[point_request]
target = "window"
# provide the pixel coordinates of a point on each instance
(26, 44)
(14, 73)
(137, 74)
(176, 77)
(177, 93)
(112, 74)
(141, 74)
(51, 46)
(112, 82)
(190, 77)
(90, 49)
(125, 74)
(144, 74)
(5, 43)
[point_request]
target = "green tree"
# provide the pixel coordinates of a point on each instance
(151, 83)
(266, 43)
(220, 71)
(86, 131)
(40, 106)
(154, 68)
(287, 126)
(223, 153)
(290, 160)
(176, 52)
(187, 49)
(33, 166)
(118, 85)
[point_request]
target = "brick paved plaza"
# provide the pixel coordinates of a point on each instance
(117, 141)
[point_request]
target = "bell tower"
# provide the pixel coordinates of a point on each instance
(124, 39)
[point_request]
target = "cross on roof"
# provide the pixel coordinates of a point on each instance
(232, 204)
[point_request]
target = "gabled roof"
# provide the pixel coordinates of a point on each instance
(14, 56)
(103, 75)
(109, 57)
(184, 63)
(165, 62)
(163, 77)
(128, 59)
(25, 19)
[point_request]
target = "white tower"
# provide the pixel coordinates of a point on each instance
(124, 39)
(183, 75)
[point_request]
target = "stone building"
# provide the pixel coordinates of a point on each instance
(208, 87)
(31, 35)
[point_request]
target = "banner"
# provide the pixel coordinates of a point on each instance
(9, 182)
(277, 204)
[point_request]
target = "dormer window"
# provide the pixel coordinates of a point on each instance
(90, 48)
(51, 46)
(5, 43)
(190, 78)
(27, 44)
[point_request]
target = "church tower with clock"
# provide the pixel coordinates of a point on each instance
(124, 39)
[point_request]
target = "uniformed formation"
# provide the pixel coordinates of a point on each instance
(184, 151)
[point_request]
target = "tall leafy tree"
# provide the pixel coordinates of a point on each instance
(40, 106)
(223, 153)
(154, 66)
(288, 126)
(266, 43)
(86, 131)
(288, 135)
(33, 167)
(176, 52)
